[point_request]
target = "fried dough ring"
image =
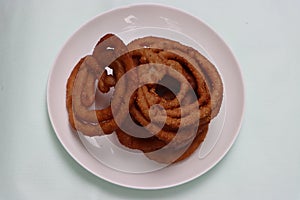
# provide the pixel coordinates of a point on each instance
(208, 74)
(185, 116)
(205, 67)
(76, 124)
(110, 50)
(181, 114)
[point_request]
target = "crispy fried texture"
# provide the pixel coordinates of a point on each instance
(158, 150)
(173, 155)
(205, 67)
(184, 111)
(109, 51)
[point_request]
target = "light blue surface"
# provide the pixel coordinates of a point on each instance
(264, 163)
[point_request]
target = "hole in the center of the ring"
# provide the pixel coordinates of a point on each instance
(167, 88)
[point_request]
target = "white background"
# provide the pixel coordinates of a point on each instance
(264, 162)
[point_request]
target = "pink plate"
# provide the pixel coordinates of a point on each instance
(130, 23)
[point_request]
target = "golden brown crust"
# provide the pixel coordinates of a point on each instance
(81, 87)
(205, 67)
(173, 155)
(177, 126)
